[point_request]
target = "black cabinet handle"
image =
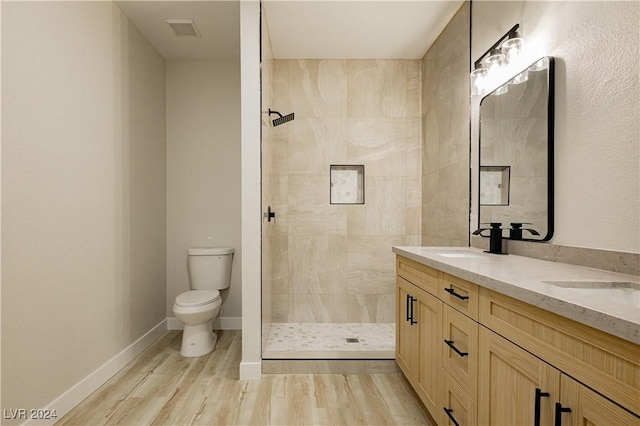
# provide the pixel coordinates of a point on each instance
(453, 419)
(411, 320)
(450, 344)
(559, 410)
(408, 307)
(536, 413)
(453, 293)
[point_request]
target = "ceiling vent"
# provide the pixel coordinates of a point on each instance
(183, 27)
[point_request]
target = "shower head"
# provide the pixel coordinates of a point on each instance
(281, 119)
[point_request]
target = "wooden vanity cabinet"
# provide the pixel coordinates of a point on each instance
(589, 407)
(460, 349)
(418, 333)
(516, 388)
(513, 363)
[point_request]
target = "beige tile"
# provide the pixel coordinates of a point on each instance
(431, 140)
(278, 256)
(270, 366)
(280, 96)
(377, 88)
(385, 201)
(318, 88)
(317, 308)
(280, 308)
(275, 193)
(315, 144)
(376, 308)
(414, 147)
(414, 77)
(371, 264)
(309, 208)
(317, 264)
(355, 217)
(380, 144)
(275, 151)
(381, 367)
(414, 205)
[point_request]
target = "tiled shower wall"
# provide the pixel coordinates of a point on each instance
(445, 129)
(333, 263)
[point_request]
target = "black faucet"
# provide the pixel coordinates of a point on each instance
(495, 237)
(515, 232)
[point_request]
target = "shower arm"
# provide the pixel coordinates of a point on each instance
(271, 112)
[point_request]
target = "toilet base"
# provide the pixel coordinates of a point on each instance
(197, 340)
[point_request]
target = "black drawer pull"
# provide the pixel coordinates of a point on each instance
(453, 293)
(536, 413)
(408, 307)
(450, 344)
(411, 319)
(559, 410)
(453, 419)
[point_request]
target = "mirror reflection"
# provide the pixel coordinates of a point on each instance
(516, 154)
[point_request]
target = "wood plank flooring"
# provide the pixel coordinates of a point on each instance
(162, 388)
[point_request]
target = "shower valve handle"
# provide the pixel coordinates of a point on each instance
(270, 214)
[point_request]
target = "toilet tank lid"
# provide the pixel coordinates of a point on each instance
(209, 251)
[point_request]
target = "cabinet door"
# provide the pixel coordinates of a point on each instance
(460, 348)
(589, 408)
(430, 362)
(406, 332)
(514, 387)
(458, 408)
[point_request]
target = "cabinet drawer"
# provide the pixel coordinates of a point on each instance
(460, 294)
(460, 349)
(426, 278)
(457, 405)
(606, 363)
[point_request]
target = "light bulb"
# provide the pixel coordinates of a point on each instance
(495, 61)
(478, 81)
(512, 49)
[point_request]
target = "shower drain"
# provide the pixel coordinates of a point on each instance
(352, 340)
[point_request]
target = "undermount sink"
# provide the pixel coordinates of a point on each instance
(624, 292)
(458, 254)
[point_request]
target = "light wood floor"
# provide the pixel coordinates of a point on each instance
(162, 388)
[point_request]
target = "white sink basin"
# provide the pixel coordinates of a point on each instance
(623, 292)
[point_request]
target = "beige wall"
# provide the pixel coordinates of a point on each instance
(83, 187)
(333, 263)
(203, 170)
(597, 98)
(445, 133)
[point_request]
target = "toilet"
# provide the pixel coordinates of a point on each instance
(209, 272)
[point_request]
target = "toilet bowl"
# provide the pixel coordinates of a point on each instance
(209, 273)
(196, 309)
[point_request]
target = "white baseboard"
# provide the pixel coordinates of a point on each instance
(250, 370)
(78, 392)
(220, 323)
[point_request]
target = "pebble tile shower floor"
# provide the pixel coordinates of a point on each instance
(331, 340)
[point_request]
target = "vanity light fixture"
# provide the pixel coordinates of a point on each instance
(499, 62)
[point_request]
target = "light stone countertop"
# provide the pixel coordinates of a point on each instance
(615, 312)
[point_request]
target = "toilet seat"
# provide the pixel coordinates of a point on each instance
(194, 298)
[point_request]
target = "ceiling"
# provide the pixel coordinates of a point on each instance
(217, 21)
(298, 29)
(355, 29)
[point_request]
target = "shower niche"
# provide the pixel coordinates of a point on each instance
(347, 184)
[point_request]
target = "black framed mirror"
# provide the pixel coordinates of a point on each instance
(515, 182)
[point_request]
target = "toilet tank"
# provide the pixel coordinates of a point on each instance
(209, 268)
